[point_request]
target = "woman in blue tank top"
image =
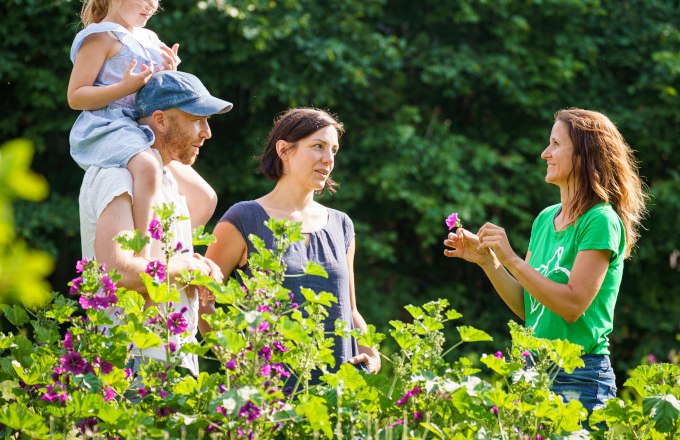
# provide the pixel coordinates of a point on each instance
(299, 156)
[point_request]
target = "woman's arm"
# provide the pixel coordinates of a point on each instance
(368, 355)
(570, 300)
(464, 244)
(82, 94)
(229, 251)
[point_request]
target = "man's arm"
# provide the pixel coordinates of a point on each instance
(116, 219)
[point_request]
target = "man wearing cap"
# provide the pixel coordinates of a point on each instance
(175, 106)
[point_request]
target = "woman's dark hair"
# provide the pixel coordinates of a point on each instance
(292, 126)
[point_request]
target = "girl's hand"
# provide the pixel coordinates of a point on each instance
(134, 81)
(170, 58)
(493, 237)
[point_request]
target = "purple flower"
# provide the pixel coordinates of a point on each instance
(498, 355)
(280, 369)
(263, 308)
(68, 344)
(494, 410)
(651, 358)
(178, 247)
(172, 346)
(156, 229)
(142, 392)
(52, 395)
(539, 437)
(109, 394)
(404, 399)
(80, 265)
(104, 367)
(417, 416)
(265, 353)
(266, 370)
(398, 422)
(75, 285)
(156, 270)
(162, 393)
(230, 365)
(87, 425)
(109, 285)
(128, 373)
(177, 324)
(294, 305)
(526, 354)
(280, 347)
(250, 411)
(98, 301)
(75, 363)
(452, 221)
(263, 327)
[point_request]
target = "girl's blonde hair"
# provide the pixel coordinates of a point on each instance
(605, 170)
(94, 11)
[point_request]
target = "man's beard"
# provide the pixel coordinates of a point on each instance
(178, 144)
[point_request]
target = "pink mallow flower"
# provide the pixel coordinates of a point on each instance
(156, 270)
(250, 411)
(75, 363)
(109, 394)
(452, 221)
(177, 324)
(498, 355)
(156, 229)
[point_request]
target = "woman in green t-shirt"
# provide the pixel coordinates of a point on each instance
(566, 286)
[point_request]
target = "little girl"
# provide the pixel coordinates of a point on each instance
(113, 57)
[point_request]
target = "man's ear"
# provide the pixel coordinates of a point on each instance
(160, 119)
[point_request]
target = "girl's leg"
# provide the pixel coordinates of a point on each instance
(147, 173)
(201, 197)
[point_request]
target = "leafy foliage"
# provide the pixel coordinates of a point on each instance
(447, 107)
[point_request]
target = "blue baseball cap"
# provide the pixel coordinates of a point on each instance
(168, 89)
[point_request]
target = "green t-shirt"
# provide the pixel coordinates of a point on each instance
(553, 254)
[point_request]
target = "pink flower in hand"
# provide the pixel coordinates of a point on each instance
(452, 221)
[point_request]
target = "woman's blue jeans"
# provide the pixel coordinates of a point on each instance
(593, 384)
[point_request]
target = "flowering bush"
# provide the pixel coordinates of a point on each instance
(73, 378)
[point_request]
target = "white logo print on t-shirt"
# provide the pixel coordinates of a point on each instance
(553, 265)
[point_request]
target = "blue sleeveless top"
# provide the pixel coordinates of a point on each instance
(110, 136)
(327, 246)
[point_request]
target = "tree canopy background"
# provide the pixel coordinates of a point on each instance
(447, 107)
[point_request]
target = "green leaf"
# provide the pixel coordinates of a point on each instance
(135, 243)
(20, 418)
(14, 314)
(471, 334)
(500, 366)
(370, 338)
(323, 298)
(195, 348)
(144, 340)
(187, 386)
(453, 315)
(61, 309)
(159, 293)
(292, 330)
(315, 269)
(415, 311)
(663, 410)
(201, 238)
(315, 412)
